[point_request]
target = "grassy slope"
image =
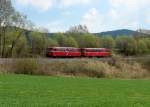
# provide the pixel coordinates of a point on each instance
(34, 91)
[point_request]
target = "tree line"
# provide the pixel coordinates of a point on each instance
(34, 43)
(19, 37)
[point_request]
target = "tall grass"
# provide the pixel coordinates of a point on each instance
(116, 68)
(26, 66)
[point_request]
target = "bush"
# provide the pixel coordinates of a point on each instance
(128, 69)
(75, 68)
(89, 68)
(2, 70)
(116, 68)
(26, 66)
(134, 70)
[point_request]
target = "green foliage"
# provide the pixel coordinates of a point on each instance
(11, 22)
(26, 66)
(39, 43)
(142, 46)
(70, 42)
(59, 37)
(21, 48)
(19, 44)
(65, 41)
(52, 43)
(107, 42)
(147, 42)
(88, 41)
(126, 45)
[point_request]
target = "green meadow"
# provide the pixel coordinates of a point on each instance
(43, 91)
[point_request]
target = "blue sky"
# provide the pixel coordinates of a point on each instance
(97, 15)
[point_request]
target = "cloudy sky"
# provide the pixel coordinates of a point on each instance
(97, 15)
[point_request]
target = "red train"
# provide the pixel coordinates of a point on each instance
(77, 52)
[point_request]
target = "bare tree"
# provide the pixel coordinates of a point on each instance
(11, 20)
(78, 29)
(6, 11)
(17, 23)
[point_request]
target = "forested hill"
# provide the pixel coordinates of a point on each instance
(120, 32)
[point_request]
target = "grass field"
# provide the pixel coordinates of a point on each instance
(37, 91)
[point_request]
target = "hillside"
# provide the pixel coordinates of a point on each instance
(120, 32)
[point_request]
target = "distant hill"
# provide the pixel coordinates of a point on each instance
(120, 32)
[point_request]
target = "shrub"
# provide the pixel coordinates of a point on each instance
(128, 69)
(26, 66)
(89, 68)
(2, 70)
(116, 68)
(134, 70)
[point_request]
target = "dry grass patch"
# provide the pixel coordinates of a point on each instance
(116, 68)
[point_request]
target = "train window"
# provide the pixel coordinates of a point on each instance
(95, 50)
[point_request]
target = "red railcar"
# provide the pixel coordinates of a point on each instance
(63, 52)
(96, 52)
(77, 52)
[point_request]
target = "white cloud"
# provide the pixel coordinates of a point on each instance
(93, 20)
(119, 14)
(44, 5)
(68, 3)
(39, 4)
(114, 18)
(147, 20)
(132, 5)
(122, 19)
(128, 13)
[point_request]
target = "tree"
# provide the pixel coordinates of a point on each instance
(78, 29)
(52, 43)
(70, 42)
(21, 49)
(18, 24)
(107, 42)
(147, 42)
(142, 47)
(126, 45)
(60, 38)
(65, 40)
(88, 41)
(20, 46)
(39, 43)
(6, 11)
(11, 21)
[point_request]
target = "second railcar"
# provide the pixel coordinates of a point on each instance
(96, 52)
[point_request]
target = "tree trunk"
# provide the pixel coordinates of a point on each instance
(4, 41)
(0, 42)
(14, 43)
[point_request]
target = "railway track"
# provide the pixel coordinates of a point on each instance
(50, 60)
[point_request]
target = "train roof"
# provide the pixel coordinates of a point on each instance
(95, 48)
(64, 47)
(73, 48)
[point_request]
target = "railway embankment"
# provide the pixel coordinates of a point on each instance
(113, 67)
